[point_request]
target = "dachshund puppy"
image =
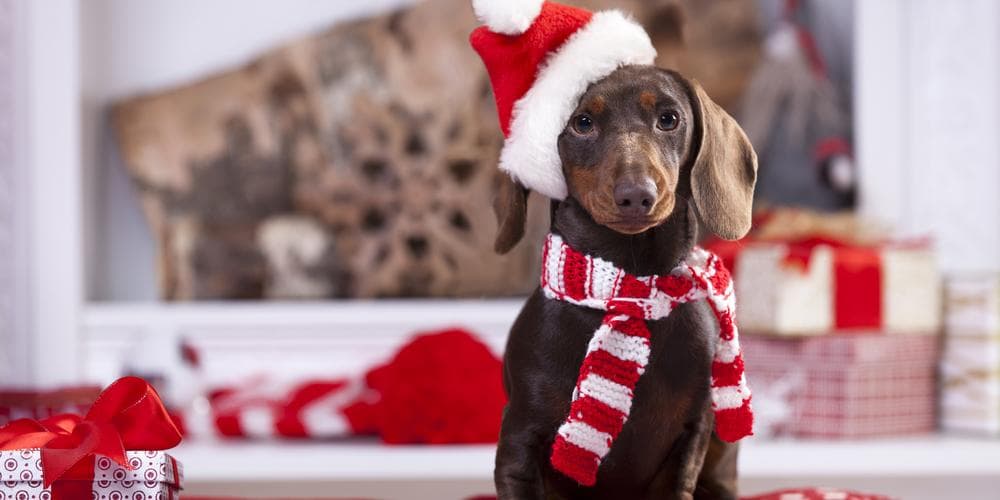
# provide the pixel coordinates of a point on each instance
(645, 155)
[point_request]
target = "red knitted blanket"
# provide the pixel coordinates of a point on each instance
(619, 350)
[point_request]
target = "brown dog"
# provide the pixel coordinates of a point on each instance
(645, 152)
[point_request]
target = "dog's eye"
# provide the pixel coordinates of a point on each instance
(583, 124)
(668, 121)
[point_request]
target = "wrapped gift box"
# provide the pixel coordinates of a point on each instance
(843, 386)
(154, 475)
(970, 366)
(815, 286)
(114, 451)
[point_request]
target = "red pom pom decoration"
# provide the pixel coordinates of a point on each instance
(440, 388)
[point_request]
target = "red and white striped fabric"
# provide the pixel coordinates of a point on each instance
(619, 350)
(314, 409)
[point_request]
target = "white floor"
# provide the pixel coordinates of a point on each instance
(932, 468)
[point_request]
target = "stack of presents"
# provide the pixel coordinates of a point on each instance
(850, 334)
(970, 368)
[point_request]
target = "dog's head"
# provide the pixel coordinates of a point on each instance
(641, 142)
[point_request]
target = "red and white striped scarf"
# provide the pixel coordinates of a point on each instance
(619, 350)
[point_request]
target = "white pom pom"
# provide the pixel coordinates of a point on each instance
(841, 173)
(510, 17)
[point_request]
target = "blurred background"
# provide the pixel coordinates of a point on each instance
(279, 214)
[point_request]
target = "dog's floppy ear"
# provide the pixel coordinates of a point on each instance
(724, 169)
(511, 209)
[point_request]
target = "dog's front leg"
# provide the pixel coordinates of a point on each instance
(706, 465)
(718, 474)
(518, 474)
(679, 473)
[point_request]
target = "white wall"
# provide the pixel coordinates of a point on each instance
(136, 46)
(40, 199)
(12, 249)
(928, 123)
(131, 47)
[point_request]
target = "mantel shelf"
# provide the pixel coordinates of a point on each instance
(289, 313)
(299, 339)
(367, 460)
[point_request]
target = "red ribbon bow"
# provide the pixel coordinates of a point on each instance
(128, 415)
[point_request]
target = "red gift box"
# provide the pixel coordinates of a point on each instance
(853, 386)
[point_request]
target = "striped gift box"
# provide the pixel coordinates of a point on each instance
(843, 386)
(970, 366)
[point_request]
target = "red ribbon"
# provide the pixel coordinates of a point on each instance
(857, 280)
(128, 415)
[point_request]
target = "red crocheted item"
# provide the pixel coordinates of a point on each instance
(440, 388)
(619, 350)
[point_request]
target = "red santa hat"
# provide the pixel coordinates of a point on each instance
(541, 57)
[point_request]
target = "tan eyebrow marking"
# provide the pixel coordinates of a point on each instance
(596, 105)
(648, 100)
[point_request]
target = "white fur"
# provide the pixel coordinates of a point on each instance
(510, 17)
(530, 154)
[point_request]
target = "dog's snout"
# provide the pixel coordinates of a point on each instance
(635, 199)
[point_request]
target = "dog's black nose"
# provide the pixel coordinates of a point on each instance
(635, 199)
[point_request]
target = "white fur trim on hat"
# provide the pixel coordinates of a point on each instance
(530, 154)
(510, 17)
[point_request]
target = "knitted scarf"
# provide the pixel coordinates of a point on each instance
(619, 350)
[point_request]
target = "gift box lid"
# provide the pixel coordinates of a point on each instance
(854, 348)
(148, 467)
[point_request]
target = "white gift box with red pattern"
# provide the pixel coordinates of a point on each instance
(970, 366)
(815, 287)
(154, 475)
(843, 386)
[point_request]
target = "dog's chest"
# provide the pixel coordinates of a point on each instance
(678, 378)
(671, 395)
